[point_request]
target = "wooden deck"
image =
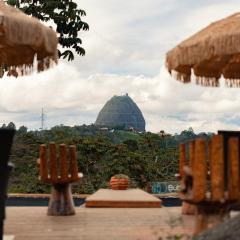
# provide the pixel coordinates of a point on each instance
(27, 223)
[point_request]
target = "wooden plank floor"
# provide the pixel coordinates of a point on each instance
(27, 223)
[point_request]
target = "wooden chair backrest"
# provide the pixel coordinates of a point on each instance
(58, 168)
(215, 179)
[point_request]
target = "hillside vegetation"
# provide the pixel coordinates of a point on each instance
(144, 157)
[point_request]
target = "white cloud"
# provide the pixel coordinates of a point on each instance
(71, 99)
(126, 47)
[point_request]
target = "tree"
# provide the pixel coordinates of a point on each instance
(67, 17)
(22, 130)
(11, 125)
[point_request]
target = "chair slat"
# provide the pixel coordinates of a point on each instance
(43, 162)
(217, 168)
(53, 161)
(73, 162)
(182, 159)
(233, 168)
(200, 171)
(191, 154)
(209, 158)
(63, 162)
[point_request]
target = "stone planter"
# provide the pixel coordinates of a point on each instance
(119, 182)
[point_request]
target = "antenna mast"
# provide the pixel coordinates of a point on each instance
(43, 119)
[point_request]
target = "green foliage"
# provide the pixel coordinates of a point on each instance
(120, 176)
(22, 130)
(122, 136)
(25, 173)
(144, 157)
(11, 125)
(67, 17)
(131, 144)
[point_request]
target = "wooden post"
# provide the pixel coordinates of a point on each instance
(233, 168)
(63, 163)
(73, 163)
(61, 201)
(43, 163)
(53, 161)
(182, 159)
(217, 168)
(200, 172)
(187, 208)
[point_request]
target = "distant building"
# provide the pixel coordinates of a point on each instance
(104, 129)
(162, 133)
(121, 112)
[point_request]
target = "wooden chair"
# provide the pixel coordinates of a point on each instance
(59, 171)
(210, 181)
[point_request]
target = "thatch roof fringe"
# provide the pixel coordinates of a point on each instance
(211, 53)
(21, 39)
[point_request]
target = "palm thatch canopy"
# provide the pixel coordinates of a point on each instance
(21, 39)
(210, 53)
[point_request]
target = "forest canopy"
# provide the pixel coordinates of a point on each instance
(144, 157)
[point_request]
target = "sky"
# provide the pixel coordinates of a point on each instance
(125, 53)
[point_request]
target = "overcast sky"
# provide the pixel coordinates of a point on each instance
(125, 53)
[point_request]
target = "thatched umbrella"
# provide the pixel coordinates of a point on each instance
(21, 39)
(210, 53)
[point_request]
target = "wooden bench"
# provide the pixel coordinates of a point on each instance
(59, 171)
(210, 181)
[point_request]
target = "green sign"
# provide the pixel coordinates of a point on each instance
(165, 187)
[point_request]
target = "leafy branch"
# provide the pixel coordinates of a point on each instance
(67, 17)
